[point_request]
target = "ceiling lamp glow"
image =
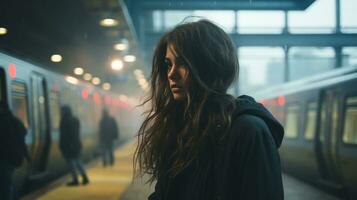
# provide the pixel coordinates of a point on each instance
(71, 80)
(78, 71)
(87, 76)
(120, 46)
(108, 22)
(142, 81)
(138, 72)
(96, 81)
(56, 58)
(106, 86)
(117, 65)
(3, 31)
(140, 76)
(129, 58)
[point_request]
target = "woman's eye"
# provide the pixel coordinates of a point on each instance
(168, 64)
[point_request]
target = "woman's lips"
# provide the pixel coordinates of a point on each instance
(176, 89)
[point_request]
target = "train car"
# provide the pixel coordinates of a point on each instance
(319, 115)
(35, 96)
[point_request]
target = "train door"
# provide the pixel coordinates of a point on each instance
(348, 140)
(326, 140)
(41, 126)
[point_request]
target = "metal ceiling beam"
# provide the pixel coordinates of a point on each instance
(224, 4)
(204, 5)
(338, 39)
(296, 40)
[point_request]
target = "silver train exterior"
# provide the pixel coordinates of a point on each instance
(35, 95)
(319, 115)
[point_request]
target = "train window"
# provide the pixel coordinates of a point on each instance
(309, 21)
(349, 55)
(55, 109)
(310, 120)
(350, 126)
(348, 16)
(19, 102)
(292, 121)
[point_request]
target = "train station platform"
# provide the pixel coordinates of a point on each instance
(116, 183)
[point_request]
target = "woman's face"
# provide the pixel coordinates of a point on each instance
(177, 74)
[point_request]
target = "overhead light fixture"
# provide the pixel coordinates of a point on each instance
(140, 76)
(96, 81)
(129, 58)
(56, 58)
(120, 46)
(108, 22)
(117, 64)
(142, 81)
(71, 80)
(87, 76)
(138, 72)
(106, 86)
(78, 71)
(3, 31)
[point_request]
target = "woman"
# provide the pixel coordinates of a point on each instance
(197, 141)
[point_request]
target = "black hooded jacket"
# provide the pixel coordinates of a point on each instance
(245, 165)
(248, 162)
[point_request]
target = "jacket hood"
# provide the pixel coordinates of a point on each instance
(247, 105)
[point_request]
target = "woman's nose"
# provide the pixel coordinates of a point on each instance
(172, 74)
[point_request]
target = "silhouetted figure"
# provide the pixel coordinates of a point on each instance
(12, 150)
(108, 132)
(70, 145)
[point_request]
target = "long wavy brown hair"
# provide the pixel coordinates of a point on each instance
(178, 131)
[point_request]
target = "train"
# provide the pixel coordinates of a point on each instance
(35, 95)
(319, 114)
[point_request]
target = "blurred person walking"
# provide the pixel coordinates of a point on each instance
(70, 145)
(108, 133)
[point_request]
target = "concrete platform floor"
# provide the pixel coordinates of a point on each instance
(115, 183)
(105, 183)
(293, 190)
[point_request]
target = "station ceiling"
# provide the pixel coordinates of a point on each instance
(220, 4)
(38, 29)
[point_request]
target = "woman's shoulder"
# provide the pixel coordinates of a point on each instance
(247, 128)
(248, 122)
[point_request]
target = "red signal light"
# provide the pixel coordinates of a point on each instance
(12, 70)
(281, 100)
(85, 93)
